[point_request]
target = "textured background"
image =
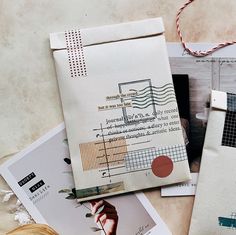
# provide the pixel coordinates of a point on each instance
(29, 99)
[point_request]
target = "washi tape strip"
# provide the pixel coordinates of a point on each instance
(143, 158)
(231, 102)
(75, 53)
(229, 132)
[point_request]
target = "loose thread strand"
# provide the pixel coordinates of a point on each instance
(191, 52)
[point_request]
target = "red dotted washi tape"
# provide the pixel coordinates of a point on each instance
(197, 53)
(75, 53)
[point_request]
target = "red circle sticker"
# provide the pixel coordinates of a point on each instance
(162, 166)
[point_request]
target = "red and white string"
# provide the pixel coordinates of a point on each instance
(197, 53)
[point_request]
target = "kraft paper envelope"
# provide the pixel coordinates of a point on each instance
(214, 210)
(120, 108)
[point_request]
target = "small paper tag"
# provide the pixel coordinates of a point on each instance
(219, 100)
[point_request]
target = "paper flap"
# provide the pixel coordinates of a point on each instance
(219, 100)
(112, 33)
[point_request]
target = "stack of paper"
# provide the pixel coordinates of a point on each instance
(41, 177)
(215, 203)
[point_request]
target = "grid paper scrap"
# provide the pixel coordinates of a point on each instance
(75, 53)
(231, 102)
(142, 159)
(229, 132)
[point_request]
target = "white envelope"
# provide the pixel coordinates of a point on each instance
(120, 108)
(215, 202)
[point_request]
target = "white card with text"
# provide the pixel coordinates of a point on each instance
(187, 188)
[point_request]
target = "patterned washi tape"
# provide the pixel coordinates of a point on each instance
(229, 132)
(75, 53)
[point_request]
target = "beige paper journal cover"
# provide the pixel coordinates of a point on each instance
(120, 108)
(214, 210)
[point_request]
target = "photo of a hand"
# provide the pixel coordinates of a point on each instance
(105, 215)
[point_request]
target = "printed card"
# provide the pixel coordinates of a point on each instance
(41, 177)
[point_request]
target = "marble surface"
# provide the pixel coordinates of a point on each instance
(29, 99)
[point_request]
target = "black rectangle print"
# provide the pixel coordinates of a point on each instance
(36, 186)
(26, 179)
